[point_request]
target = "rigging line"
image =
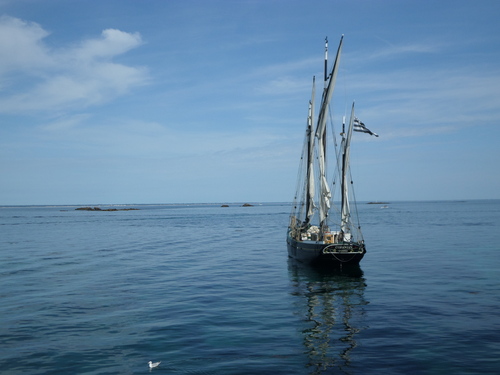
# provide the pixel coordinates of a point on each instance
(336, 147)
(346, 103)
(335, 144)
(355, 205)
(344, 80)
(336, 172)
(337, 211)
(355, 201)
(335, 191)
(298, 200)
(332, 125)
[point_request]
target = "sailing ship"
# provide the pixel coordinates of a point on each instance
(323, 228)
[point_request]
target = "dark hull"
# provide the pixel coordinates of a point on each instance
(322, 254)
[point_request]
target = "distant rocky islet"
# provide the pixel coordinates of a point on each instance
(104, 209)
(243, 205)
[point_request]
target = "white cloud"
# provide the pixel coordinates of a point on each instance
(284, 78)
(411, 48)
(283, 86)
(66, 123)
(21, 45)
(141, 140)
(418, 102)
(113, 42)
(66, 78)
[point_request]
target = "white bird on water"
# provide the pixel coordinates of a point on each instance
(153, 364)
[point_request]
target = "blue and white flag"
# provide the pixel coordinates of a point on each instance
(360, 127)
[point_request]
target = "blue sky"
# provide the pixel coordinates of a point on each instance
(123, 102)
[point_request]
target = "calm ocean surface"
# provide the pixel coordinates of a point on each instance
(209, 290)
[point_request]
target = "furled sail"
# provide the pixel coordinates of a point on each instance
(310, 158)
(327, 94)
(325, 194)
(346, 145)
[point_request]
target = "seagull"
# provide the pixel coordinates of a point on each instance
(153, 364)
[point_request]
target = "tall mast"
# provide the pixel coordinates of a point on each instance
(323, 140)
(344, 227)
(325, 194)
(326, 61)
(329, 86)
(310, 158)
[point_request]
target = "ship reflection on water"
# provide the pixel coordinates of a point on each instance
(332, 305)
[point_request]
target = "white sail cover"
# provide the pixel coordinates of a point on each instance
(325, 193)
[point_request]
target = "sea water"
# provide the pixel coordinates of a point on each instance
(207, 289)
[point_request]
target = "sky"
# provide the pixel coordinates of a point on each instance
(198, 101)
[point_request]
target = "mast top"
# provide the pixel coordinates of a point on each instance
(326, 60)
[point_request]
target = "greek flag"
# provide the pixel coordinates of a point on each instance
(360, 127)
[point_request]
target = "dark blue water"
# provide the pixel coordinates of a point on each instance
(209, 290)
